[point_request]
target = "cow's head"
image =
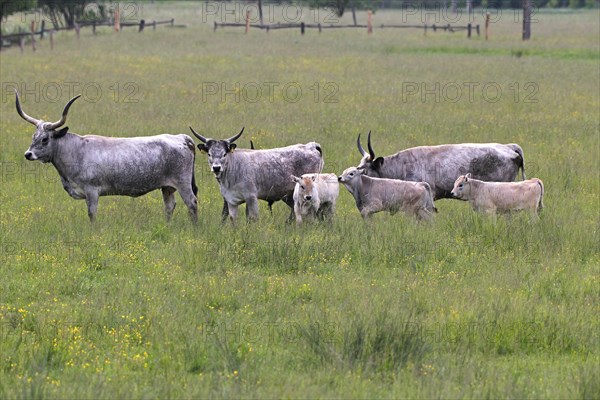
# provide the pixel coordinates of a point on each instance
(217, 150)
(462, 187)
(46, 133)
(350, 176)
(306, 187)
(369, 163)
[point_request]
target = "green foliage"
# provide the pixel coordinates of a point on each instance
(9, 7)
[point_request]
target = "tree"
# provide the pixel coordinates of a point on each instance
(9, 7)
(65, 12)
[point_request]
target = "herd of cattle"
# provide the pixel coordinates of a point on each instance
(409, 181)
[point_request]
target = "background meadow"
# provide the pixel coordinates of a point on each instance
(461, 307)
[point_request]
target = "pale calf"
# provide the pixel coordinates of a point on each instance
(489, 197)
(373, 195)
(315, 196)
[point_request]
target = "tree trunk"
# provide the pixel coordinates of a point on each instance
(354, 12)
(260, 12)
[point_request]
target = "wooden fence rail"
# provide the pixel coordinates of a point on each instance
(302, 26)
(21, 36)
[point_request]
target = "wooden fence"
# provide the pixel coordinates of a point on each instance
(369, 27)
(43, 32)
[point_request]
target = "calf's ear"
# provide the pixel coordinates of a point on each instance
(294, 178)
(378, 162)
(314, 177)
(61, 132)
(468, 176)
(232, 147)
(202, 147)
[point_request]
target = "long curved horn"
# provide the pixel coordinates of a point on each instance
(360, 148)
(26, 117)
(371, 152)
(200, 137)
(236, 137)
(63, 119)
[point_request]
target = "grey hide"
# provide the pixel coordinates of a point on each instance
(91, 166)
(246, 175)
(441, 165)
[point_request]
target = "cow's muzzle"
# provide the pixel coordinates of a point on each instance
(29, 155)
(216, 169)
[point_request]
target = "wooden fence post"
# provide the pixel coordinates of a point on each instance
(247, 21)
(77, 29)
(302, 26)
(117, 19)
(142, 23)
(22, 44)
(369, 22)
(42, 29)
(154, 25)
(320, 28)
(33, 35)
(477, 27)
(469, 30)
(487, 25)
(94, 28)
(172, 22)
(51, 39)
(527, 6)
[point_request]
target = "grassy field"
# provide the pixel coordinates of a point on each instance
(133, 307)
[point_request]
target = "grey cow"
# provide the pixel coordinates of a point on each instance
(91, 166)
(246, 175)
(374, 195)
(441, 165)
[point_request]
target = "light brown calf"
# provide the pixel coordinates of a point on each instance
(490, 197)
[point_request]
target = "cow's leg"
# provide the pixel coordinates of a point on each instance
(298, 214)
(224, 212)
(91, 199)
(289, 200)
(190, 200)
(251, 208)
(168, 194)
(233, 212)
(423, 214)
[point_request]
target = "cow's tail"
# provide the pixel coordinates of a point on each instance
(429, 199)
(190, 144)
(317, 146)
(541, 201)
(521, 162)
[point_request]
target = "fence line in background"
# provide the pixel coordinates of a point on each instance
(20, 37)
(303, 26)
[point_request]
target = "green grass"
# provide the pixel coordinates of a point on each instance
(461, 307)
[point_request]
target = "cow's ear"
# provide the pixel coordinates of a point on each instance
(60, 133)
(232, 147)
(378, 162)
(294, 178)
(202, 147)
(468, 176)
(314, 177)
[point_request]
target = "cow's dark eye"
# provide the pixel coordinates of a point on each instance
(45, 140)
(460, 186)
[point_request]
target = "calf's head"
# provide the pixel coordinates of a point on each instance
(306, 187)
(369, 163)
(350, 176)
(46, 134)
(218, 151)
(462, 187)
